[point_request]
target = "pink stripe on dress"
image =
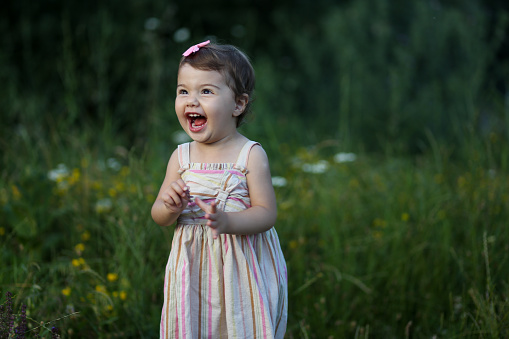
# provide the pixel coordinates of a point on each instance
(236, 173)
(209, 316)
(164, 308)
(262, 305)
(239, 200)
(207, 171)
(183, 300)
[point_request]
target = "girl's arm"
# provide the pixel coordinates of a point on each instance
(173, 195)
(262, 214)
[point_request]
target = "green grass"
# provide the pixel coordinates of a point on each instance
(377, 247)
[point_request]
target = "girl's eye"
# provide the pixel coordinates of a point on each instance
(207, 91)
(182, 91)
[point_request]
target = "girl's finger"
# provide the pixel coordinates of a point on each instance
(169, 202)
(200, 203)
(203, 205)
(213, 207)
(167, 199)
(179, 189)
(174, 199)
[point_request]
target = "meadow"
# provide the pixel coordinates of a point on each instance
(390, 164)
(376, 246)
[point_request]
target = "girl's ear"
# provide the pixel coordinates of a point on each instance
(240, 104)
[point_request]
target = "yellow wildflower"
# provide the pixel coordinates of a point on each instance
(112, 277)
(354, 183)
(2, 231)
(293, 244)
(405, 216)
(124, 171)
(82, 261)
(75, 262)
(123, 295)
(112, 192)
(15, 192)
(150, 197)
(66, 291)
(115, 294)
(85, 236)
(75, 176)
(100, 289)
(378, 222)
(61, 191)
(96, 185)
(79, 248)
(120, 186)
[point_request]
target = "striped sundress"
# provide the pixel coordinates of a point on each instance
(234, 286)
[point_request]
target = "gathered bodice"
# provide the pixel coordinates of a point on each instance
(224, 183)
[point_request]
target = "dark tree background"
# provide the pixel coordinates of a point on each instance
(113, 63)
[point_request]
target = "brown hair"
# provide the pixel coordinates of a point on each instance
(233, 64)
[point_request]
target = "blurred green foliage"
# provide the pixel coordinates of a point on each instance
(377, 75)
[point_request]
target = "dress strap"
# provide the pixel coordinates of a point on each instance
(183, 153)
(244, 154)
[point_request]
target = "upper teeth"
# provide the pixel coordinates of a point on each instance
(194, 115)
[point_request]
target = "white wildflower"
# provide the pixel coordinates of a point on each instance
(318, 167)
(114, 164)
(59, 173)
(103, 205)
(345, 157)
(152, 24)
(278, 182)
(182, 34)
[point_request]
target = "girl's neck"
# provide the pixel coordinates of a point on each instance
(222, 151)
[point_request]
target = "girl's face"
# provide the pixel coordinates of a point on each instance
(206, 107)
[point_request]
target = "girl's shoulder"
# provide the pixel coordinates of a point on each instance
(174, 161)
(257, 157)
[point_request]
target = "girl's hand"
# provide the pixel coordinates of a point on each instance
(217, 220)
(176, 196)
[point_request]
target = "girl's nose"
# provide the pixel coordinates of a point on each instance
(191, 101)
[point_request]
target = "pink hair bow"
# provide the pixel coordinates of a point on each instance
(195, 48)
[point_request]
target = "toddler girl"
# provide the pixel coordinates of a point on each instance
(226, 275)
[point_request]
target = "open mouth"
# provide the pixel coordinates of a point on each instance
(196, 121)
